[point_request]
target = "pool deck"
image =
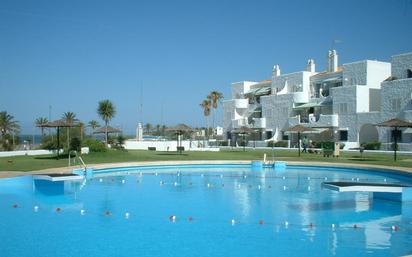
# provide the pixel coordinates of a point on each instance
(67, 170)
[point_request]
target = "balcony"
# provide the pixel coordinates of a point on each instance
(300, 97)
(322, 120)
(239, 123)
(259, 123)
(241, 103)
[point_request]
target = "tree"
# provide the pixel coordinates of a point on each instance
(215, 97)
(206, 106)
(94, 124)
(40, 122)
(70, 119)
(7, 124)
(106, 110)
(148, 128)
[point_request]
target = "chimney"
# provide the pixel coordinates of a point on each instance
(276, 71)
(332, 61)
(310, 66)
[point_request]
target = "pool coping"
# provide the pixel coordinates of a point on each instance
(66, 170)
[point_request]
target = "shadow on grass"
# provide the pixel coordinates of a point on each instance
(173, 153)
(362, 159)
(54, 157)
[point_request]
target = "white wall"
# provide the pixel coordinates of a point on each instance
(28, 152)
(400, 63)
(161, 145)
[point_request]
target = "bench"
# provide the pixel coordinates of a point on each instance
(151, 148)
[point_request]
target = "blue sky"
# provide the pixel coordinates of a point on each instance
(71, 54)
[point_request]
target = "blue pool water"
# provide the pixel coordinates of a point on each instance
(204, 200)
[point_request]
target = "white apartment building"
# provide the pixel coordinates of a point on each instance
(342, 103)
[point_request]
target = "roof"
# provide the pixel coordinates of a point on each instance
(110, 129)
(180, 128)
(299, 129)
(395, 123)
(59, 124)
(243, 130)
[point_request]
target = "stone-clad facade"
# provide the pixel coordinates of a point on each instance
(342, 103)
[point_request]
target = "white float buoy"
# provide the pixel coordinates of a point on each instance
(333, 226)
(284, 188)
(101, 180)
(238, 186)
(308, 188)
(259, 187)
(233, 221)
(283, 177)
(286, 224)
(384, 179)
(161, 182)
(156, 174)
(82, 212)
(208, 185)
(357, 179)
(126, 215)
(326, 178)
(123, 181)
(175, 184)
(221, 176)
(202, 175)
(36, 208)
(308, 178)
(244, 176)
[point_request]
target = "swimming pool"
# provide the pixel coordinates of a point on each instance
(203, 210)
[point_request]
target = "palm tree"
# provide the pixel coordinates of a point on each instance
(69, 118)
(206, 106)
(7, 126)
(40, 122)
(94, 124)
(106, 111)
(216, 97)
(148, 128)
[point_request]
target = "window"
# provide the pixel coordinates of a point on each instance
(285, 111)
(409, 73)
(395, 104)
(343, 135)
(343, 108)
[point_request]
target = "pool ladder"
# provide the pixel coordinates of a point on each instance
(81, 162)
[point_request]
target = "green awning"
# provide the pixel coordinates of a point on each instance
(263, 91)
(258, 91)
(408, 131)
(311, 105)
(307, 106)
(258, 109)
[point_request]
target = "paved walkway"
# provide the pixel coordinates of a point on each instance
(66, 170)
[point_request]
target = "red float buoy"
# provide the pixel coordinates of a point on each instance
(14, 206)
(190, 218)
(172, 218)
(261, 222)
(107, 213)
(58, 209)
(311, 225)
(355, 226)
(223, 185)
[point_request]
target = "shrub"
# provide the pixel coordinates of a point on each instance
(282, 143)
(243, 142)
(94, 145)
(224, 143)
(372, 145)
(48, 143)
(75, 144)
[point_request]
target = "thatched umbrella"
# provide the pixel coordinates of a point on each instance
(59, 124)
(243, 131)
(179, 129)
(395, 124)
(102, 130)
(300, 129)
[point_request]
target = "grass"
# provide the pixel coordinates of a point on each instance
(30, 163)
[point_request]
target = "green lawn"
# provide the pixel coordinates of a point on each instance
(30, 163)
